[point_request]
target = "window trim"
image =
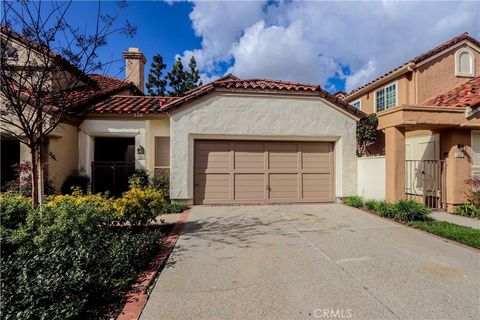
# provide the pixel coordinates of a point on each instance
(471, 74)
(359, 105)
(381, 88)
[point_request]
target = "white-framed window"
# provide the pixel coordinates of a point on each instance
(386, 97)
(464, 63)
(357, 104)
(475, 152)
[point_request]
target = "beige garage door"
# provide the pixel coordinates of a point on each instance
(263, 172)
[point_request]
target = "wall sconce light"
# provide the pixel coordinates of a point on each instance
(461, 149)
(140, 150)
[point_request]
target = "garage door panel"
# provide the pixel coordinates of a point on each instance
(283, 155)
(317, 186)
(214, 156)
(249, 186)
(283, 186)
(316, 156)
(249, 155)
(213, 186)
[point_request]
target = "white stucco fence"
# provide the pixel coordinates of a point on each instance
(371, 177)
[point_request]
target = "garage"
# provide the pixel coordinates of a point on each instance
(263, 172)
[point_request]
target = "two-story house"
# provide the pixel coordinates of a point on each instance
(428, 109)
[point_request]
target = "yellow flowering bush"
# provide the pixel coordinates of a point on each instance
(101, 202)
(139, 205)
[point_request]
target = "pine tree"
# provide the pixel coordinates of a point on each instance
(177, 79)
(193, 77)
(181, 80)
(156, 84)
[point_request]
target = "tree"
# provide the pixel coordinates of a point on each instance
(367, 133)
(180, 80)
(45, 62)
(156, 84)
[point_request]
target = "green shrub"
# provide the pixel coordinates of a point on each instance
(174, 207)
(139, 179)
(14, 210)
(410, 210)
(467, 210)
(139, 206)
(68, 264)
(74, 181)
(162, 183)
(354, 201)
(372, 205)
(385, 209)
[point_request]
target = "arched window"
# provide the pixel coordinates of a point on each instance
(465, 63)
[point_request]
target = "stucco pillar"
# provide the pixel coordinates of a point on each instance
(394, 163)
(458, 169)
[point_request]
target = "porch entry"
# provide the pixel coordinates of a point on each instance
(425, 182)
(114, 163)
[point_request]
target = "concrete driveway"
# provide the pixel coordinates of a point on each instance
(312, 262)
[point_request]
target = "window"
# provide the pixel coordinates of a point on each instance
(464, 63)
(162, 156)
(386, 97)
(8, 52)
(357, 104)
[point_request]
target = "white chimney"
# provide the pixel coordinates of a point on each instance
(135, 67)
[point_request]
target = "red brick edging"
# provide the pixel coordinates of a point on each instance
(138, 296)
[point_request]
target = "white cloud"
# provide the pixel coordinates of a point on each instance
(311, 41)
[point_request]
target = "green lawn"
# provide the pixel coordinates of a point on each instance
(465, 235)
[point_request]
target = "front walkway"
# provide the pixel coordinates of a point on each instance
(452, 218)
(306, 261)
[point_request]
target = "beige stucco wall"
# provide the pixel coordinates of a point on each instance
(154, 128)
(63, 146)
(261, 117)
(438, 75)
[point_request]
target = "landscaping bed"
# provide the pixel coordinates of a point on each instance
(75, 256)
(417, 215)
(466, 235)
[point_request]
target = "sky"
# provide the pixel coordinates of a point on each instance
(340, 45)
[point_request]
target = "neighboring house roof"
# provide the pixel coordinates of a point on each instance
(465, 95)
(131, 104)
(99, 87)
(424, 56)
(262, 86)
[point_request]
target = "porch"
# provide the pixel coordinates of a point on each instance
(439, 179)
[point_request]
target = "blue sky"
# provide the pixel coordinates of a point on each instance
(339, 44)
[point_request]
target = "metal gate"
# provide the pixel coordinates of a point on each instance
(425, 182)
(111, 176)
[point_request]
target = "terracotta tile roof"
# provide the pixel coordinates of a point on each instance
(131, 104)
(465, 95)
(263, 86)
(99, 87)
(422, 57)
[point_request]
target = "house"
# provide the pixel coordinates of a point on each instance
(229, 141)
(61, 146)
(428, 110)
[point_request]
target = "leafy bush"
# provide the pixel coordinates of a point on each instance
(74, 181)
(139, 179)
(162, 183)
(354, 201)
(14, 210)
(410, 210)
(385, 209)
(372, 205)
(174, 207)
(468, 210)
(68, 264)
(139, 206)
